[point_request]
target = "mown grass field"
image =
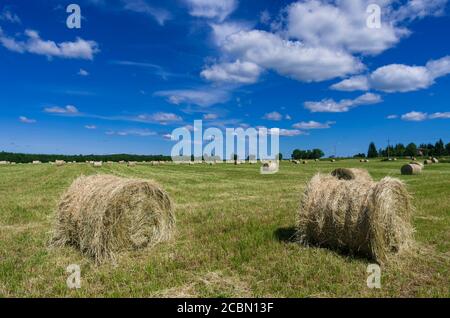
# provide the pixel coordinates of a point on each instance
(232, 240)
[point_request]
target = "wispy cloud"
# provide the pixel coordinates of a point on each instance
(8, 16)
(160, 117)
(26, 120)
(83, 72)
(201, 97)
(140, 6)
(132, 132)
(313, 125)
(90, 127)
(276, 116)
(421, 116)
(67, 110)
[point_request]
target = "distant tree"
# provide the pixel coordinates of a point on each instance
(296, 154)
(399, 150)
(372, 152)
(439, 148)
(359, 155)
(411, 150)
(317, 154)
(447, 149)
(280, 156)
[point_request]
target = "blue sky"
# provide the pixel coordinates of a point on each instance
(137, 69)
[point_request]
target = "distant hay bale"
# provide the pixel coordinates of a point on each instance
(131, 164)
(361, 217)
(269, 167)
(97, 163)
(333, 160)
(351, 174)
(305, 162)
(36, 162)
(3, 162)
(60, 162)
(316, 160)
(410, 169)
(102, 215)
(434, 160)
(428, 162)
(295, 162)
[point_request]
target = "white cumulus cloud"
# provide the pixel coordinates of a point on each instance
(78, 49)
(236, 72)
(398, 77)
(332, 106)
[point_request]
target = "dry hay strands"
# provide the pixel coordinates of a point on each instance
(361, 217)
(104, 214)
(411, 169)
(351, 174)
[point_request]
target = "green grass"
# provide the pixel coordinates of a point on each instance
(232, 239)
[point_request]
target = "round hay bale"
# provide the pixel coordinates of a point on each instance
(60, 163)
(269, 167)
(360, 217)
(416, 163)
(131, 164)
(104, 214)
(351, 174)
(333, 160)
(411, 169)
(427, 162)
(434, 160)
(305, 162)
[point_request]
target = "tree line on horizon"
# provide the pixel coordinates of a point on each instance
(27, 158)
(439, 149)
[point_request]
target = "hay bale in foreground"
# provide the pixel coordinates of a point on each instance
(351, 174)
(416, 163)
(362, 217)
(104, 214)
(411, 169)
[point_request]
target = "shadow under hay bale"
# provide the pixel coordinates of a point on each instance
(286, 234)
(104, 214)
(351, 174)
(411, 169)
(371, 219)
